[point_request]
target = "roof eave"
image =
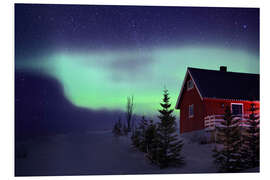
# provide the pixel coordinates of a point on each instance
(229, 99)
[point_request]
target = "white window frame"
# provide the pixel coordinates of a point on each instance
(238, 104)
(189, 107)
(188, 84)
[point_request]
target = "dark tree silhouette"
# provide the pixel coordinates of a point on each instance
(136, 137)
(168, 146)
(150, 135)
(153, 144)
(251, 144)
(143, 126)
(129, 112)
(227, 154)
(143, 136)
(118, 128)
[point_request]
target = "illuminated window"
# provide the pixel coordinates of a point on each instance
(190, 84)
(191, 110)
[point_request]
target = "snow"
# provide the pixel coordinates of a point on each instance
(100, 153)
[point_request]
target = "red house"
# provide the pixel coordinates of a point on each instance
(205, 94)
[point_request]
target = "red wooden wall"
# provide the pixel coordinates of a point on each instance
(217, 106)
(196, 122)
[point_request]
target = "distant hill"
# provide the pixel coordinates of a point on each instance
(42, 109)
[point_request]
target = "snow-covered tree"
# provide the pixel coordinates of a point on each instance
(227, 154)
(154, 149)
(168, 145)
(143, 136)
(143, 128)
(150, 135)
(251, 138)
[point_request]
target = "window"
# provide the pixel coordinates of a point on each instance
(237, 109)
(191, 110)
(190, 84)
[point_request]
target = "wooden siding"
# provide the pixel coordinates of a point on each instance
(196, 122)
(217, 106)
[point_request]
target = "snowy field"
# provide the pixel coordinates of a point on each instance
(100, 153)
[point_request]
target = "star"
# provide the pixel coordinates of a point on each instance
(245, 26)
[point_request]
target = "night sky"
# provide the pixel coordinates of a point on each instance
(102, 54)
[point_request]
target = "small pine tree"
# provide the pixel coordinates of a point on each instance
(150, 134)
(136, 137)
(117, 128)
(227, 156)
(251, 144)
(154, 148)
(143, 136)
(143, 128)
(125, 130)
(168, 146)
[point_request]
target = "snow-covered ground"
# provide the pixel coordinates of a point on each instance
(101, 153)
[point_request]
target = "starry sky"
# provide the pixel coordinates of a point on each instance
(102, 54)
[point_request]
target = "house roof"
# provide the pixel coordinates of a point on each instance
(224, 85)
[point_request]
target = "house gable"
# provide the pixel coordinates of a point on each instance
(191, 111)
(188, 77)
(191, 107)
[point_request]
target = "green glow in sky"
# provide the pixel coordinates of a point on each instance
(104, 79)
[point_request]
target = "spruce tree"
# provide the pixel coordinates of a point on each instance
(140, 134)
(136, 137)
(227, 155)
(144, 134)
(154, 146)
(168, 149)
(117, 128)
(150, 134)
(251, 145)
(143, 128)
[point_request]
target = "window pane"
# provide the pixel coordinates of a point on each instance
(190, 110)
(237, 109)
(190, 84)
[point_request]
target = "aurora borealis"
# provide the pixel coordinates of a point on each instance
(102, 54)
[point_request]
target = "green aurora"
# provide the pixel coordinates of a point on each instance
(104, 79)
